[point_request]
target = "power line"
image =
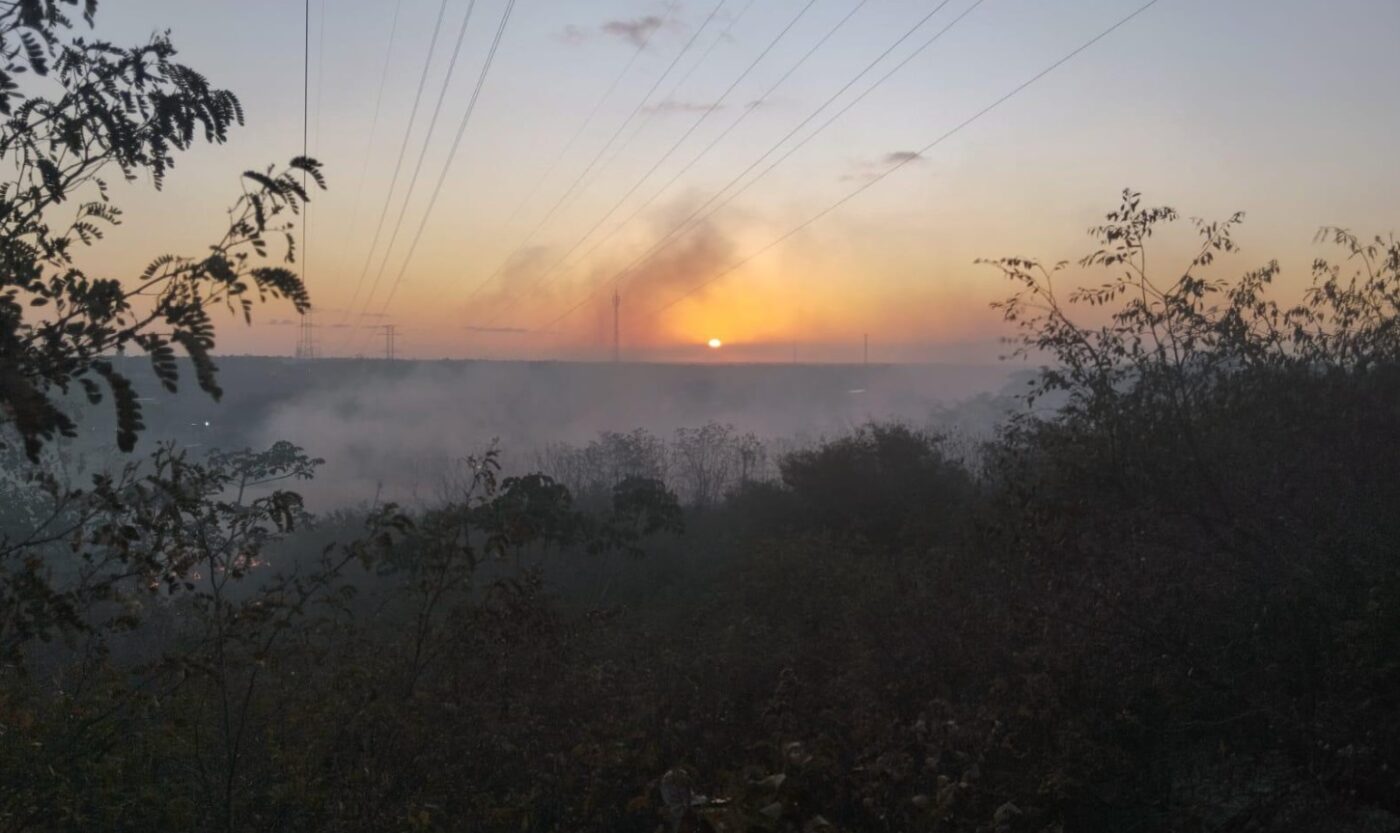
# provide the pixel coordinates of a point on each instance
(403, 146)
(743, 114)
(626, 143)
(863, 187)
(306, 80)
(305, 146)
(306, 344)
(606, 145)
(422, 152)
(592, 113)
(656, 109)
(452, 154)
(320, 65)
(369, 151)
(704, 211)
(551, 272)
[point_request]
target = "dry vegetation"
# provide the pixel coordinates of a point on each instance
(1172, 602)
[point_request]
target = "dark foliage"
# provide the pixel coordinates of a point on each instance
(1171, 603)
(883, 482)
(89, 108)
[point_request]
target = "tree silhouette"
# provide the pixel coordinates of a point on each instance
(74, 111)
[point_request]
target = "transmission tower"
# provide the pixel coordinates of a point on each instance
(391, 333)
(306, 338)
(617, 327)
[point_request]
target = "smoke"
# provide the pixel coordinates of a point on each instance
(531, 293)
(396, 429)
(684, 263)
(524, 265)
(676, 267)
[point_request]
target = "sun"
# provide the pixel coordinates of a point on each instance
(715, 343)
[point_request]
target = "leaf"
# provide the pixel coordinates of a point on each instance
(312, 168)
(129, 422)
(53, 179)
(34, 51)
(267, 182)
(91, 389)
(204, 367)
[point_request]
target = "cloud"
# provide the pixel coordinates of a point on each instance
(903, 156)
(671, 105)
(572, 34)
(635, 31)
(496, 329)
(864, 170)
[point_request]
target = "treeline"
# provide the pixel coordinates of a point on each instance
(701, 465)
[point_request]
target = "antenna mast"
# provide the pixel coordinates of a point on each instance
(617, 327)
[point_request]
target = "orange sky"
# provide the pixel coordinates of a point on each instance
(1276, 108)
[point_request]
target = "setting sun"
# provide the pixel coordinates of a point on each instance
(506, 344)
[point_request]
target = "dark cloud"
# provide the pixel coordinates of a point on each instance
(635, 31)
(673, 106)
(864, 170)
(901, 156)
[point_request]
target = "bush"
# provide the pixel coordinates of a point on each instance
(884, 482)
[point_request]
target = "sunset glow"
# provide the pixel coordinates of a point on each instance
(533, 232)
(699, 415)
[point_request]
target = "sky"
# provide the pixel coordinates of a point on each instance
(603, 127)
